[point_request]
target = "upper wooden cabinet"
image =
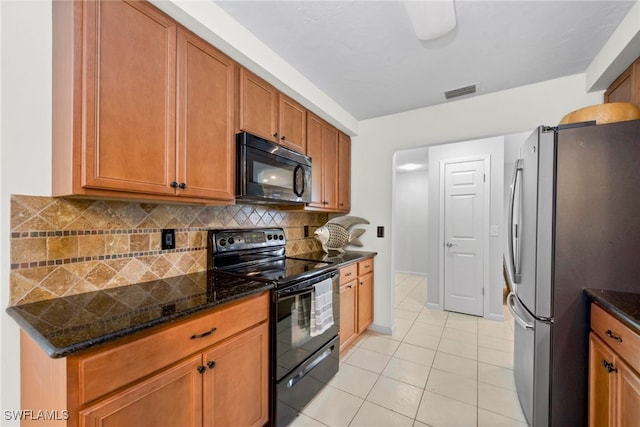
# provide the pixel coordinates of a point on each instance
(344, 173)
(269, 114)
(292, 124)
(322, 147)
(626, 88)
(141, 106)
(258, 106)
(206, 149)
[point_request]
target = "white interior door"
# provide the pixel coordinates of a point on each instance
(464, 234)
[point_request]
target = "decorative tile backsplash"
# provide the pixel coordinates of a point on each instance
(70, 246)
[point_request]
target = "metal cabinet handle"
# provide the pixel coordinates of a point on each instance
(201, 369)
(182, 185)
(348, 274)
(449, 244)
(211, 364)
(204, 334)
(613, 337)
(609, 366)
(173, 184)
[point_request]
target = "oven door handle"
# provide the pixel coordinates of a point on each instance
(285, 293)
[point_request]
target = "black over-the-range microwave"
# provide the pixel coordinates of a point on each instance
(270, 173)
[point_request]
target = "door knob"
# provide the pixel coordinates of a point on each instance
(449, 244)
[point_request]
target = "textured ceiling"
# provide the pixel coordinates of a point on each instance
(365, 55)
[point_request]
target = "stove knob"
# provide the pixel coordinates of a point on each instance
(222, 242)
(231, 240)
(269, 237)
(281, 237)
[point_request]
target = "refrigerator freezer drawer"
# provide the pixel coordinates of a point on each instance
(531, 364)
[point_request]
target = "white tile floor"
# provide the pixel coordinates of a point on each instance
(437, 369)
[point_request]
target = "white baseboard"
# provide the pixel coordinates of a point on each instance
(433, 306)
(493, 316)
(381, 329)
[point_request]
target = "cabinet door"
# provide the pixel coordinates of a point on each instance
(205, 137)
(330, 166)
(258, 106)
(627, 411)
(314, 150)
(601, 383)
(292, 124)
(348, 313)
(344, 173)
(365, 301)
(236, 391)
(171, 398)
(129, 97)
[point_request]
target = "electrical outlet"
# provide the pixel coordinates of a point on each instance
(306, 231)
(380, 231)
(168, 238)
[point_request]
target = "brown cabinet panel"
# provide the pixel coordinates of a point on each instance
(206, 153)
(315, 127)
(129, 104)
(258, 106)
(322, 147)
(356, 300)
(627, 396)
(236, 387)
(292, 124)
(365, 301)
(344, 173)
(626, 88)
(614, 384)
(170, 398)
(348, 313)
(600, 384)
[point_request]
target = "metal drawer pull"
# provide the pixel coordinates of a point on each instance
(204, 334)
(347, 275)
(609, 366)
(610, 335)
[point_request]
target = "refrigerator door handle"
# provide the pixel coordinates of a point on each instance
(512, 308)
(514, 252)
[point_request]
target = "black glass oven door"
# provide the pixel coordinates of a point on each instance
(294, 343)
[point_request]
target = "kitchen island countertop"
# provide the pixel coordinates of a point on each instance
(624, 306)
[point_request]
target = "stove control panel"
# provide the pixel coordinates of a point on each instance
(242, 239)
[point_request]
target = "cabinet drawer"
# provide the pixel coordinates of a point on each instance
(348, 273)
(365, 266)
(616, 335)
(105, 370)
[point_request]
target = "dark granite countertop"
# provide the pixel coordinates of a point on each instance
(624, 306)
(63, 326)
(341, 260)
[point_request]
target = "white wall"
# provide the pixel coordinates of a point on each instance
(25, 144)
(494, 149)
(410, 221)
(500, 113)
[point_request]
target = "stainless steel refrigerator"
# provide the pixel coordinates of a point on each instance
(574, 218)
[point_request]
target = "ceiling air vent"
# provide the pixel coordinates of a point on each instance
(461, 91)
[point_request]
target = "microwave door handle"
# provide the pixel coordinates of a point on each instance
(296, 172)
(513, 263)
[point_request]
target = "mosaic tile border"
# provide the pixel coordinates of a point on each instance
(16, 236)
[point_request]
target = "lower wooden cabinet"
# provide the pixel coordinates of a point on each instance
(356, 300)
(219, 378)
(614, 384)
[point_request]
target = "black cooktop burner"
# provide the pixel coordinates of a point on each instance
(283, 270)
